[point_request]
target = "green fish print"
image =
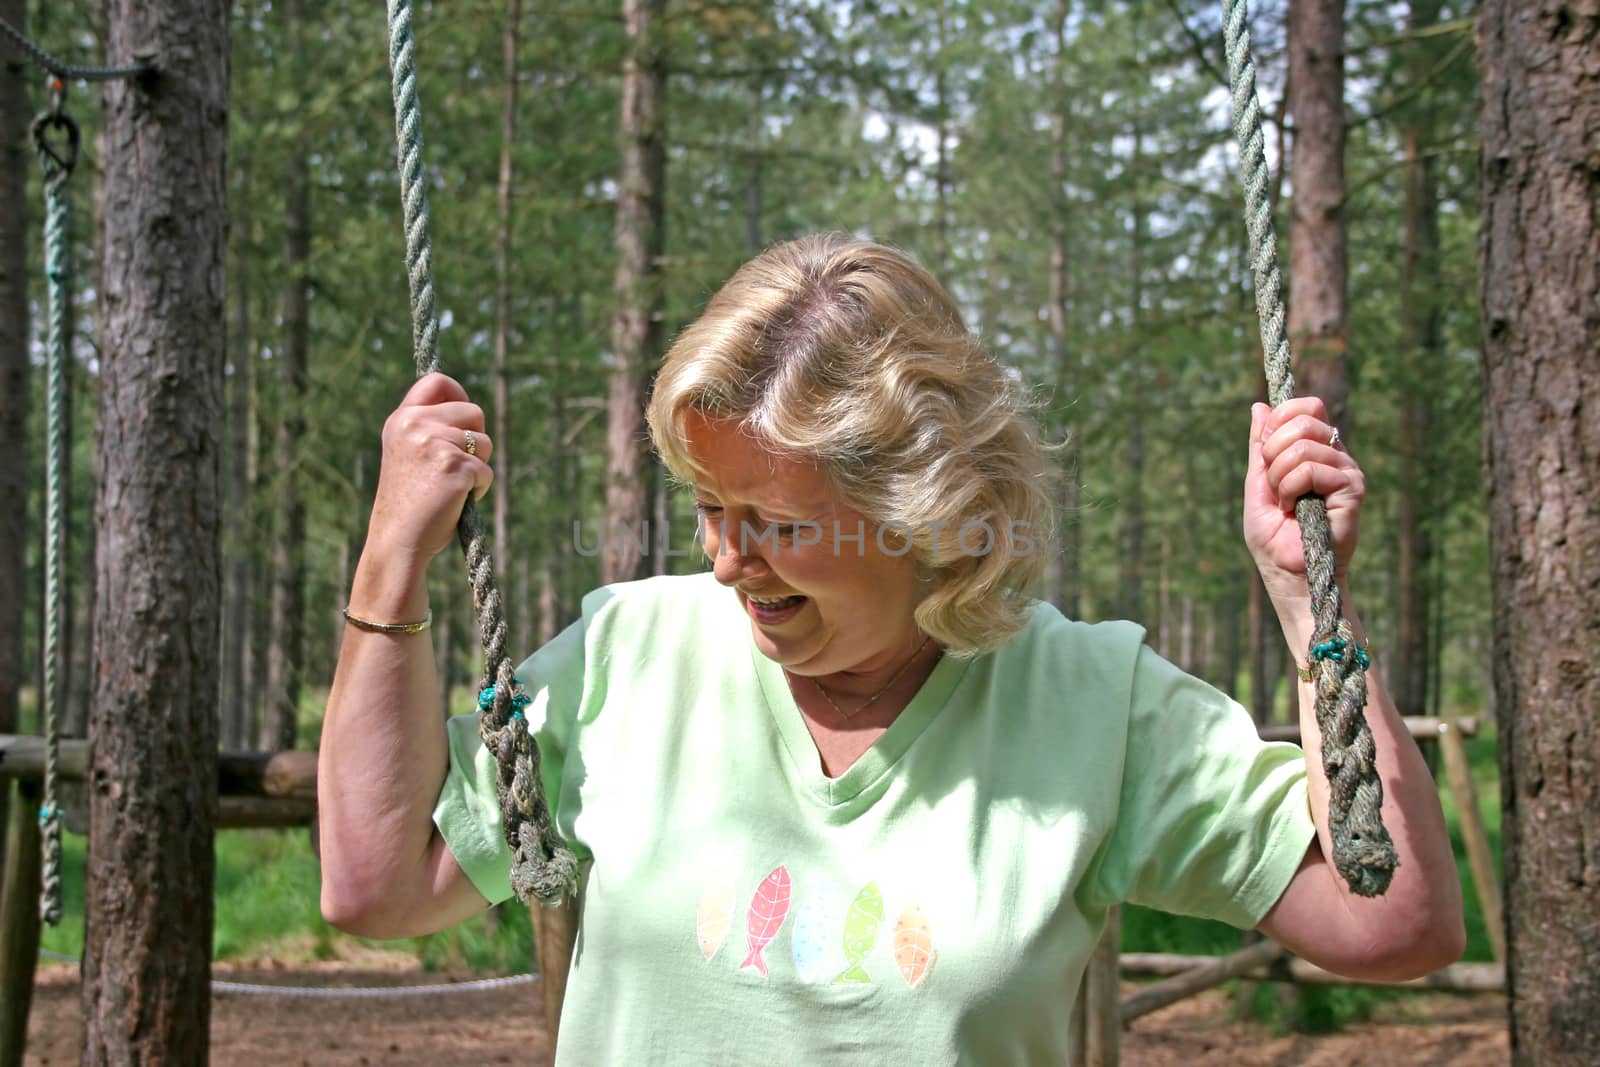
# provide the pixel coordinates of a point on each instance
(861, 932)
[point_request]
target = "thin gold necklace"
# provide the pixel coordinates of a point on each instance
(847, 716)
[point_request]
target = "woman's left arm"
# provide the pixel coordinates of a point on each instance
(1416, 926)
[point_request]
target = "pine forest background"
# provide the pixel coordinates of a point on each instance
(979, 134)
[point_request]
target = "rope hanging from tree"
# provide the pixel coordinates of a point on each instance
(1363, 851)
(57, 160)
(542, 867)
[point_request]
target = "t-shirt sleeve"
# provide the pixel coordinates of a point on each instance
(1212, 821)
(468, 810)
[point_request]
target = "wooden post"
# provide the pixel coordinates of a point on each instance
(1102, 1034)
(1076, 1049)
(1479, 859)
(19, 922)
(555, 933)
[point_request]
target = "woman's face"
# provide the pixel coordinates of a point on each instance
(821, 592)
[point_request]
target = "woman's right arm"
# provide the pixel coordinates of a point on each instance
(386, 872)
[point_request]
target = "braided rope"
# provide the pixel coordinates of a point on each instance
(57, 169)
(542, 867)
(67, 70)
(1363, 851)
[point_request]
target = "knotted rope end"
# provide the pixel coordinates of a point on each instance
(546, 873)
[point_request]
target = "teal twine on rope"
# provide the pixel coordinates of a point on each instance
(57, 160)
(542, 867)
(1363, 851)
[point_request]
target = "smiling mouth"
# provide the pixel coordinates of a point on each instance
(774, 603)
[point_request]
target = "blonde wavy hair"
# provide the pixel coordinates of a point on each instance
(850, 353)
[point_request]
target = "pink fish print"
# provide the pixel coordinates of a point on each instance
(768, 908)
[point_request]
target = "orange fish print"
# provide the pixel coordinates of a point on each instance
(768, 908)
(713, 918)
(913, 945)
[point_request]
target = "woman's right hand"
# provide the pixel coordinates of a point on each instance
(427, 472)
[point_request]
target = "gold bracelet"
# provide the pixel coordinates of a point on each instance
(388, 627)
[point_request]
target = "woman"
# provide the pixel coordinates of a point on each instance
(853, 795)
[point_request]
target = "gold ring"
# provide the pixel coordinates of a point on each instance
(472, 444)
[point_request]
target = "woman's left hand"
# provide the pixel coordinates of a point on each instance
(1294, 451)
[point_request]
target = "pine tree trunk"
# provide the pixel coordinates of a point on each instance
(635, 322)
(941, 169)
(504, 227)
(232, 703)
(147, 951)
(1539, 265)
(18, 855)
(1317, 255)
(286, 650)
(1266, 653)
(1131, 597)
(558, 526)
(752, 179)
(1409, 676)
(15, 158)
(1069, 580)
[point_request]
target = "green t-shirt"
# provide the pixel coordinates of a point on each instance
(936, 903)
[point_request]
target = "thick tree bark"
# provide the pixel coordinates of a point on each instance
(286, 652)
(152, 782)
(15, 157)
(1539, 264)
(504, 227)
(1317, 253)
(636, 319)
(18, 856)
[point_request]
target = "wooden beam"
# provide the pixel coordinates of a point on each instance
(263, 813)
(243, 774)
(1457, 978)
(1203, 973)
(1422, 727)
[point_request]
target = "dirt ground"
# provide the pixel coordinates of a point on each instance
(499, 1026)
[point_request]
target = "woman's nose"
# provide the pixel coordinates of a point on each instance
(731, 564)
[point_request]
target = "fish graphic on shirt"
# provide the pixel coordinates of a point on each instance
(713, 919)
(913, 945)
(768, 909)
(811, 939)
(861, 932)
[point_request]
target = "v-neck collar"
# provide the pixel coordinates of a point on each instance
(875, 762)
